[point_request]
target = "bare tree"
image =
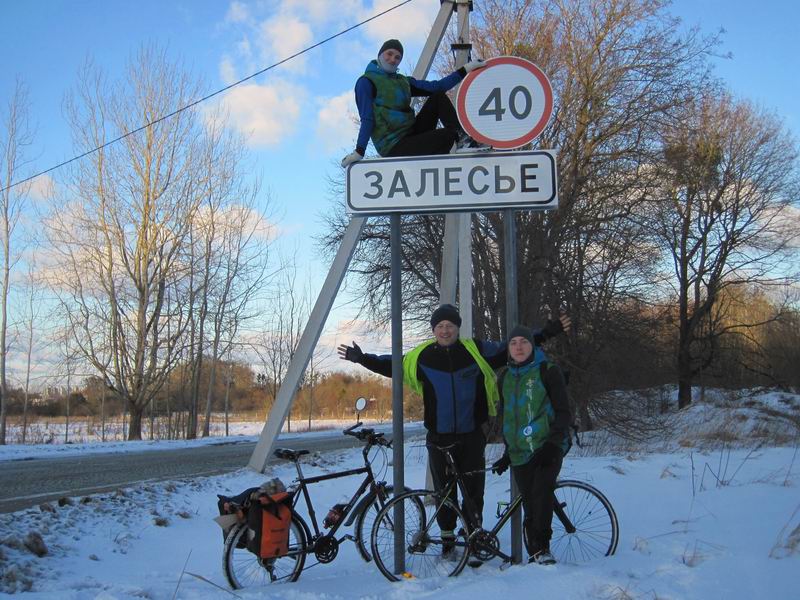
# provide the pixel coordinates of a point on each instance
(277, 344)
(243, 252)
(28, 320)
(728, 179)
(621, 70)
(15, 136)
(120, 235)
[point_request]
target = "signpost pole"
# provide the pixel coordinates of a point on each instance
(397, 392)
(512, 317)
(453, 228)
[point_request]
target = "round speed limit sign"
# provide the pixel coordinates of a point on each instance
(507, 104)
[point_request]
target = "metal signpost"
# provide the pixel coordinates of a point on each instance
(506, 104)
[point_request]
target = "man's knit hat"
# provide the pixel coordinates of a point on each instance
(521, 331)
(446, 312)
(393, 44)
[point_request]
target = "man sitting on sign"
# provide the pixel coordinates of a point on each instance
(383, 98)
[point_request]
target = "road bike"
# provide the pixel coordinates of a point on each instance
(584, 527)
(243, 568)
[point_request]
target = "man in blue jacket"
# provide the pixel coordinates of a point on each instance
(455, 377)
(383, 98)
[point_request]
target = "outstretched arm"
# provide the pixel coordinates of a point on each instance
(377, 364)
(423, 87)
(552, 329)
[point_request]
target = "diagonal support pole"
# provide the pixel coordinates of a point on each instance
(322, 307)
(308, 342)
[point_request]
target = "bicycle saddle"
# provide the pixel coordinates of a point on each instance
(289, 454)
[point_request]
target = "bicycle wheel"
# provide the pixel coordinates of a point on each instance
(425, 553)
(584, 523)
(366, 518)
(243, 569)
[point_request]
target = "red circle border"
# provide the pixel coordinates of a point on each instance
(522, 140)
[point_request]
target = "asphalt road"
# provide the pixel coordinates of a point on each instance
(29, 482)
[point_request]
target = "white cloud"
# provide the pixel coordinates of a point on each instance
(237, 13)
(284, 35)
(323, 11)
(41, 187)
(370, 338)
(264, 114)
(336, 124)
(244, 48)
(409, 23)
(227, 72)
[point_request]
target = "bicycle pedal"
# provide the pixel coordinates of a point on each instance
(474, 563)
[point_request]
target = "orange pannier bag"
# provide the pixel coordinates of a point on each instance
(276, 517)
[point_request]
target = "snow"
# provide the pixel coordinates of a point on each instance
(699, 521)
(245, 432)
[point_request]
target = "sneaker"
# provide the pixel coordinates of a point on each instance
(542, 557)
(448, 545)
(466, 144)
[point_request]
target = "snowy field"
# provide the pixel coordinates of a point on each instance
(698, 520)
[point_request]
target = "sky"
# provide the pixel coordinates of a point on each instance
(681, 533)
(299, 118)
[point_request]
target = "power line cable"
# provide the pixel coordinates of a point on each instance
(204, 98)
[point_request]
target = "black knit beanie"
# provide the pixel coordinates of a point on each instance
(521, 331)
(446, 312)
(393, 44)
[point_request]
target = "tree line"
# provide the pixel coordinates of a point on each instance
(673, 247)
(241, 394)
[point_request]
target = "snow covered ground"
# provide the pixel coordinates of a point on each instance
(698, 520)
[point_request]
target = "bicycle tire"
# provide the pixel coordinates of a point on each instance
(243, 569)
(596, 529)
(366, 519)
(423, 546)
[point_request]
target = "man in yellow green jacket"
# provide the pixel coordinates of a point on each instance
(455, 377)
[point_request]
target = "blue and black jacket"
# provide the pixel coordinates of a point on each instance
(453, 390)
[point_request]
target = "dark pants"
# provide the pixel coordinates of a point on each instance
(469, 456)
(424, 138)
(536, 484)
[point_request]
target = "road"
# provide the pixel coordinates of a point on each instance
(30, 482)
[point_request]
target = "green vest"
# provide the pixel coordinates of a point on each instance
(410, 378)
(394, 117)
(527, 412)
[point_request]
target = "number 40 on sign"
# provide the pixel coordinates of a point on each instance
(507, 104)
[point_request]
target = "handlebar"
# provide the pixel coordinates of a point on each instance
(367, 435)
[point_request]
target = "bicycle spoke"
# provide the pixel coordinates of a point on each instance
(592, 517)
(426, 554)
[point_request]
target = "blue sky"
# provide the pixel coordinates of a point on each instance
(297, 116)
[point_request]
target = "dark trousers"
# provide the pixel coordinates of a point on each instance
(536, 484)
(469, 456)
(424, 137)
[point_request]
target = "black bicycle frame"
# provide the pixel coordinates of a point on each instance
(304, 482)
(458, 480)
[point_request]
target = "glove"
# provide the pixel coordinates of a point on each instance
(553, 328)
(352, 353)
(547, 455)
(354, 156)
(500, 465)
(474, 64)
